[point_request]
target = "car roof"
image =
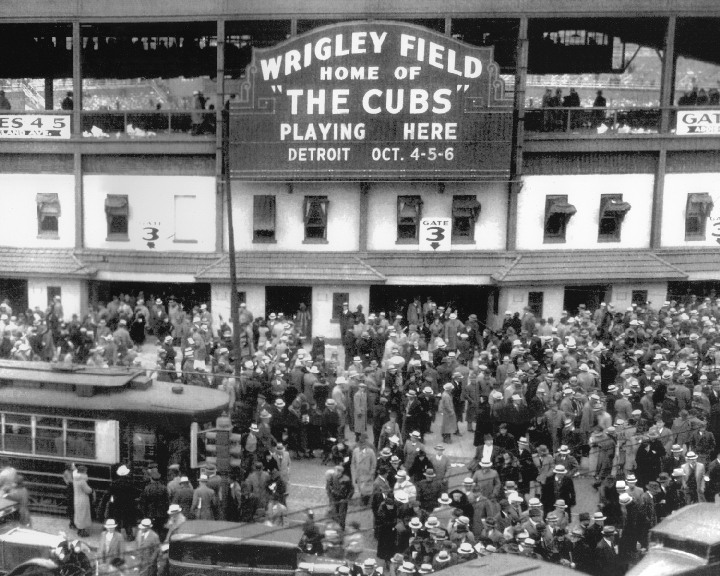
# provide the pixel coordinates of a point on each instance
(697, 522)
(506, 565)
(221, 531)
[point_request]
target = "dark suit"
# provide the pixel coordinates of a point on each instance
(606, 562)
(562, 490)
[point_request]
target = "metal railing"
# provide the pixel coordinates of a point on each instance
(594, 120)
(148, 124)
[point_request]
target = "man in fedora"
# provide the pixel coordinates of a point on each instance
(429, 489)
(147, 545)
(175, 519)
(558, 487)
(112, 544)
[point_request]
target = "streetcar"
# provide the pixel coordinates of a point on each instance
(52, 415)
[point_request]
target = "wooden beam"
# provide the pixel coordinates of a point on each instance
(667, 77)
(657, 201)
(77, 78)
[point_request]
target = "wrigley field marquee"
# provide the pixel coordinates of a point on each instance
(371, 100)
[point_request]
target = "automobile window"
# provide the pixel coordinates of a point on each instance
(683, 545)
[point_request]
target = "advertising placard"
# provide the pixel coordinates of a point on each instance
(698, 122)
(37, 126)
(371, 100)
(435, 234)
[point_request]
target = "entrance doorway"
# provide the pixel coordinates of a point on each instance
(591, 295)
(465, 299)
(187, 295)
(16, 292)
(287, 299)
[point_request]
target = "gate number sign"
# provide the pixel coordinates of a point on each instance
(435, 234)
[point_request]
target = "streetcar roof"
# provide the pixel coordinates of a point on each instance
(506, 565)
(70, 374)
(156, 399)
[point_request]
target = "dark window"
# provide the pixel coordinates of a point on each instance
(53, 291)
(409, 209)
(263, 218)
(557, 213)
(535, 303)
(697, 210)
(639, 297)
(338, 299)
(315, 211)
(242, 297)
(48, 213)
(465, 212)
(612, 214)
(117, 212)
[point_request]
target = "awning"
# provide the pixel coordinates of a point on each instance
(615, 208)
(116, 205)
(316, 210)
(264, 213)
(48, 204)
(467, 207)
(564, 208)
(409, 207)
(703, 200)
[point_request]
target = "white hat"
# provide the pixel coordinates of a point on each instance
(174, 509)
(123, 470)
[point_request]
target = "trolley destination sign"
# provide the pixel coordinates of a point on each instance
(371, 100)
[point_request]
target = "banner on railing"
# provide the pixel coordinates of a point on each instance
(38, 126)
(698, 122)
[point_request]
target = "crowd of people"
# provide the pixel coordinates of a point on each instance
(630, 397)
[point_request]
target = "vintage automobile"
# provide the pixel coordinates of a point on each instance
(686, 543)
(208, 548)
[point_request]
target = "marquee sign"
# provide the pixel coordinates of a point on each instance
(698, 122)
(371, 100)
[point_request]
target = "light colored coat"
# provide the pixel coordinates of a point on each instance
(447, 411)
(81, 500)
(363, 469)
(699, 479)
(360, 409)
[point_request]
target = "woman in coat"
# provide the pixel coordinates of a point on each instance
(81, 498)
(447, 411)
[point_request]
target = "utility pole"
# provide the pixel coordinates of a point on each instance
(227, 190)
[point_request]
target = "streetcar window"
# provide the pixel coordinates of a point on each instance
(80, 444)
(48, 436)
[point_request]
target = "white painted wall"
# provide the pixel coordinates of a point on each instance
(584, 193)
(74, 295)
(677, 188)
(515, 298)
(152, 203)
(220, 300)
(343, 216)
(322, 300)
(621, 294)
(18, 221)
(382, 216)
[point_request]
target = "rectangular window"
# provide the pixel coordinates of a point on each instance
(185, 215)
(535, 303)
(53, 291)
(263, 218)
(465, 212)
(48, 214)
(639, 297)
(557, 213)
(338, 299)
(697, 211)
(315, 211)
(409, 210)
(117, 212)
(48, 436)
(612, 214)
